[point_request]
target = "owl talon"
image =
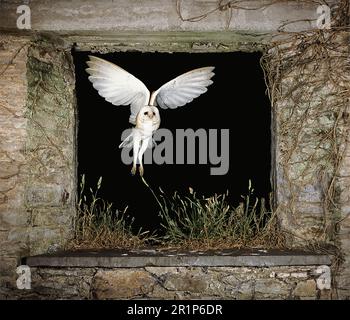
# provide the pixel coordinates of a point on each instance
(133, 171)
(141, 171)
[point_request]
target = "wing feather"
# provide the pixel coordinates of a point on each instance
(183, 89)
(117, 86)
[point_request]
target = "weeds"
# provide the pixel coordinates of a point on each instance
(188, 222)
(206, 223)
(97, 225)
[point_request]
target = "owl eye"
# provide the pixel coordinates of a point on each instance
(145, 113)
(154, 113)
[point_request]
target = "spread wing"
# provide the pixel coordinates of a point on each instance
(117, 86)
(183, 89)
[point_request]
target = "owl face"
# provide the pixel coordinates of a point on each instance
(148, 114)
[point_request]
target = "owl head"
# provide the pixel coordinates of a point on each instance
(148, 114)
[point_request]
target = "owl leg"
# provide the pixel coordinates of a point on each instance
(136, 147)
(141, 152)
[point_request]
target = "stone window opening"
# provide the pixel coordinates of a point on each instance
(235, 103)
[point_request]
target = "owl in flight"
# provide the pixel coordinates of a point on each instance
(119, 87)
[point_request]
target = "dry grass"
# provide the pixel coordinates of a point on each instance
(189, 222)
(97, 225)
(212, 223)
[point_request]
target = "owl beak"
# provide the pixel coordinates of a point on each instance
(150, 115)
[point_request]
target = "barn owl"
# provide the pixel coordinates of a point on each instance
(119, 87)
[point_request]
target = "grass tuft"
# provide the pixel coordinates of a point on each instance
(209, 223)
(188, 222)
(97, 225)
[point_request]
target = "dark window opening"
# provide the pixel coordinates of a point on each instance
(235, 101)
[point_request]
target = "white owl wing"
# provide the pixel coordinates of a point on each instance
(117, 86)
(183, 89)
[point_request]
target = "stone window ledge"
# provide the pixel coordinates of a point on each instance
(175, 258)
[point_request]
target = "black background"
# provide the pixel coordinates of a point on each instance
(231, 309)
(236, 100)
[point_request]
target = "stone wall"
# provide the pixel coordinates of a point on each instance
(37, 158)
(310, 134)
(289, 282)
(37, 131)
(343, 233)
(13, 133)
(311, 150)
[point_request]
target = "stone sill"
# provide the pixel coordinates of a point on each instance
(175, 258)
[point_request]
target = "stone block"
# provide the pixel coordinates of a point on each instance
(16, 248)
(310, 208)
(8, 274)
(344, 170)
(62, 283)
(8, 169)
(237, 286)
(7, 184)
(13, 199)
(232, 280)
(271, 288)
(191, 282)
(306, 289)
(163, 271)
(325, 295)
(310, 193)
(122, 284)
(3, 235)
(43, 238)
(159, 15)
(18, 234)
(51, 217)
(244, 292)
(8, 265)
(14, 218)
(299, 275)
(343, 185)
(41, 195)
(160, 292)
